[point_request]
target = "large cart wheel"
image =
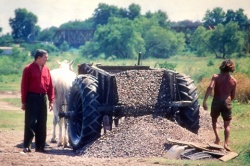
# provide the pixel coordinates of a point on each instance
(85, 122)
(188, 115)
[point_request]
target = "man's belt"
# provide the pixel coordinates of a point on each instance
(37, 94)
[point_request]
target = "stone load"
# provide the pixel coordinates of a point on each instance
(142, 91)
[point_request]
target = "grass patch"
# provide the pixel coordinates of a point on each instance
(16, 102)
(11, 120)
(14, 119)
(9, 86)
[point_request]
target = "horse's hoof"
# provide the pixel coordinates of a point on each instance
(53, 141)
(67, 146)
(59, 145)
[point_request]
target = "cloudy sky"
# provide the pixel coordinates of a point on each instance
(56, 12)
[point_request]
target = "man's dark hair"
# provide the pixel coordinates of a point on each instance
(227, 66)
(40, 52)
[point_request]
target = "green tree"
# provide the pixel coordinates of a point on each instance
(238, 16)
(64, 46)
(103, 12)
(187, 27)
(200, 41)
(31, 47)
(120, 38)
(162, 43)
(77, 24)
(47, 34)
(24, 25)
(134, 11)
(90, 49)
(227, 39)
(234, 39)
(161, 17)
(6, 40)
(214, 17)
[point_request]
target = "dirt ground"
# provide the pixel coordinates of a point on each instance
(11, 150)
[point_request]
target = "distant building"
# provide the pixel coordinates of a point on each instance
(5, 50)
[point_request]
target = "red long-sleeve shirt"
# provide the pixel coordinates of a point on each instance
(36, 81)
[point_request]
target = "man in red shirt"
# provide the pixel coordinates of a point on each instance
(224, 87)
(36, 85)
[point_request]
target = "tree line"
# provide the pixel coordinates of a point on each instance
(122, 33)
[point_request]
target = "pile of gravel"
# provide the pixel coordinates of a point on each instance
(143, 136)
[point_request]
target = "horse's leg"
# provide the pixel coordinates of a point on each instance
(53, 139)
(66, 140)
(60, 123)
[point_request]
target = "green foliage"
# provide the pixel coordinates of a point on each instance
(160, 17)
(103, 12)
(233, 39)
(6, 40)
(214, 17)
(64, 46)
(166, 65)
(119, 37)
(210, 62)
(199, 41)
(47, 34)
(24, 25)
(226, 39)
(218, 16)
(90, 49)
(134, 11)
(223, 41)
(161, 43)
(77, 24)
(46, 46)
(12, 64)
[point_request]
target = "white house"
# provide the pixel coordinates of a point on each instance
(5, 50)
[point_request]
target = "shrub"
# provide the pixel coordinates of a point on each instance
(210, 63)
(166, 65)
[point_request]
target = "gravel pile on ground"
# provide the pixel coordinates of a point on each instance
(143, 136)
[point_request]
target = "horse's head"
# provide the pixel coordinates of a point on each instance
(66, 65)
(84, 68)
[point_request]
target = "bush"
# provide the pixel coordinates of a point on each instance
(33, 47)
(64, 46)
(166, 65)
(210, 63)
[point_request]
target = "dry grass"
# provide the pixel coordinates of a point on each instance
(243, 88)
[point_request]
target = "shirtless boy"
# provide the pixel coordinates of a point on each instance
(224, 86)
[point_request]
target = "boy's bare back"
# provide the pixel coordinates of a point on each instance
(224, 87)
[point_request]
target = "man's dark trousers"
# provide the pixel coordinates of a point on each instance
(35, 120)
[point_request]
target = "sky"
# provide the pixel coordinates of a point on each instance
(56, 12)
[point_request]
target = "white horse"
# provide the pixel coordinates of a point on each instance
(62, 78)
